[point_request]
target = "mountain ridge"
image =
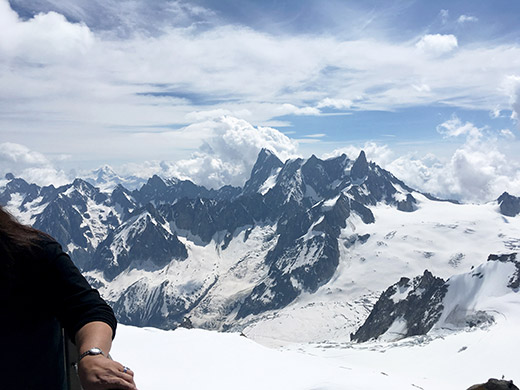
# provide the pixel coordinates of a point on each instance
(238, 252)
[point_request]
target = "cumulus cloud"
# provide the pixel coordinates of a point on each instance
(229, 152)
(437, 44)
(47, 37)
(478, 171)
(33, 166)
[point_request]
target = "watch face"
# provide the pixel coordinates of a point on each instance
(95, 351)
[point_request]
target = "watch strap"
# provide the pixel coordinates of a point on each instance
(91, 352)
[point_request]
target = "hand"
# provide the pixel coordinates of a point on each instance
(98, 373)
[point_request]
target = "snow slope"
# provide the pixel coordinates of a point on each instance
(198, 359)
(443, 237)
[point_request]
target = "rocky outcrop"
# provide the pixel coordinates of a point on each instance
(509, 205)
(407, 308)
(495, 384)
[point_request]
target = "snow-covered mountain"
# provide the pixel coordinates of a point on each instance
(106, 179)
(414, 307)
(312, 240)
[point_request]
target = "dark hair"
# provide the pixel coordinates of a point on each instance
(15, 238)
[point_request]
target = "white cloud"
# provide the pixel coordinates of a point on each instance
(338, 104)
(437, 44)
(467, 18)
(64, 84)
(32, 166)
(20, 155)
(229, 152)
(476, 172)
(46, 38)
(287, 109)
(455, 128)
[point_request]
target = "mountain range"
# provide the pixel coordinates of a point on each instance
(305, 239)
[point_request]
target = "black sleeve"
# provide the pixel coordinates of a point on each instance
(76, 302)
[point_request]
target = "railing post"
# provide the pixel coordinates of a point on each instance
(71, 360)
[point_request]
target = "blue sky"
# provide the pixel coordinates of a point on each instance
(431, 90)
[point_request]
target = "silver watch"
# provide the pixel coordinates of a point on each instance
(91, 352)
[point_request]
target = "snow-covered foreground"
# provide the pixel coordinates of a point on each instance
(198, 359)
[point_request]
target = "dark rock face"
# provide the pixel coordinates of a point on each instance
(495, 384)
(16, 185)
(509, 205)
(267, 164)
(360, 168)
(417, 302)
(64, 222)
(140, 240)
(407, 205)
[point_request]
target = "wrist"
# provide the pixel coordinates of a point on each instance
(91, 352)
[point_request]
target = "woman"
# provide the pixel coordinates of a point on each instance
(42, 291)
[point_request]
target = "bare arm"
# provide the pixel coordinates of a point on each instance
(99, 372)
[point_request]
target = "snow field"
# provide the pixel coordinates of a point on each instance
(198, 359)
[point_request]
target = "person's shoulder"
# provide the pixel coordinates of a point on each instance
(47, 245)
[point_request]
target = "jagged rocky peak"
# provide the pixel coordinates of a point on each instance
(81, 190)
(18, 186)
(123, 198)
(266, 168)
(359, 169)
(144, 237)
(509, 204)
(325, 178)
(156, 182)
(82, 185)
(407, 308)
